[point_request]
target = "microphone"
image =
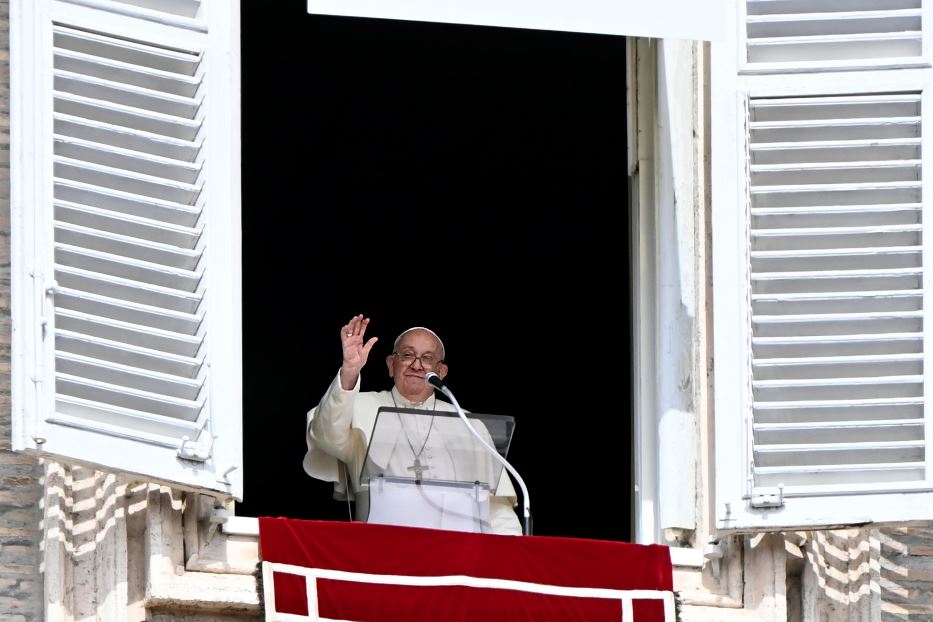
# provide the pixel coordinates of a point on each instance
(434, 379)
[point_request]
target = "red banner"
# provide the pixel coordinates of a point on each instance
(378, 573)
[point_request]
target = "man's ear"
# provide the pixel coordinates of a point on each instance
(390, 363)
(442, 371)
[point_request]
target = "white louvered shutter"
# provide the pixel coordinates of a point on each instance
(126, 246)
(821, 405)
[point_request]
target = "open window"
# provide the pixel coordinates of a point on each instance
(820, 130)
(125, 225)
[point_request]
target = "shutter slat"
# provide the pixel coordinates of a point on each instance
(79, 410)
(840, 431)
(126, 246)
(788, 256)
(802, 153)
(842, 448)
(852, 478)
(127, 377)
(127, 397)
(789, 304)
(126, 138)
(831, 16)
(756, 7)
(820, 34)
(128, 354)
(837, 345)
(167, 59)
(127, 225)
(842, 414)
(836, 172)
(128, 289)
(842, 426)
(797, 297)
(822, 259)
(833, 360)
(112, 70)
(793, 126)
(842, 401)
(837, 382)
(127, 116)
(822, 219)
(785, 196)
(838, 317)
(126, 159)
(818, 152)
(834, 23)
(873, 146)
(125, 332)
(835, 371)
(840, 281)
(835, 339)
(153, 208)
(829, 390)
(182, 8)
(803, 107)
(835, 46)
(129, 96)
(118, 429)
(837, 187)
(127, 267)
(103, 306)
(836, 209)
(838, 274)
(126, 181)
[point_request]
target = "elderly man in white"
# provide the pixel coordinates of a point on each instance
(339, 427)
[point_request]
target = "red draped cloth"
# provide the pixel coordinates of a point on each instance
(376, 573)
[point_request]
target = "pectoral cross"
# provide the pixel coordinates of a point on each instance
(418, 469)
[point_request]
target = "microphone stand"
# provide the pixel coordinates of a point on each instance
(435, 380)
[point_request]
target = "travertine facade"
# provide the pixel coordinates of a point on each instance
(117, 550)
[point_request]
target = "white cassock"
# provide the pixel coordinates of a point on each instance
(339, 428)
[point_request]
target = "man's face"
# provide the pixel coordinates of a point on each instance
(418, 353)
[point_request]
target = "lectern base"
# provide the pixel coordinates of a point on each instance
(434, 505)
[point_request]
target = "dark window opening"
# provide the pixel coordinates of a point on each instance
(469, 179)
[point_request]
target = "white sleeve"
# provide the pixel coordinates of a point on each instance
(329, 423)
(503, 518)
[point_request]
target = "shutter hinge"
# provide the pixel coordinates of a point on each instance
(219, 517)
(223, 479)
(48, 301)
(196, 452)
(762, 498)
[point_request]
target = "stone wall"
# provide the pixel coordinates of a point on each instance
(20, 475)
(906, 574)
(866, 575)
(115, 549)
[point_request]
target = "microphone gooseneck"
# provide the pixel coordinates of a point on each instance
(436, 381)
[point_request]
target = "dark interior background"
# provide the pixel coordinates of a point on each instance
(469, 179)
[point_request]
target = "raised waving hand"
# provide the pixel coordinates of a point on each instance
(355, 350)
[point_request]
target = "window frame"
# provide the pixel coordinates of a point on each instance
(612, 17)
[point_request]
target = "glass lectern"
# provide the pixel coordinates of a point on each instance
(424, 468)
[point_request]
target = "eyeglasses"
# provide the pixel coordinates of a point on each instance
(429, 360)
